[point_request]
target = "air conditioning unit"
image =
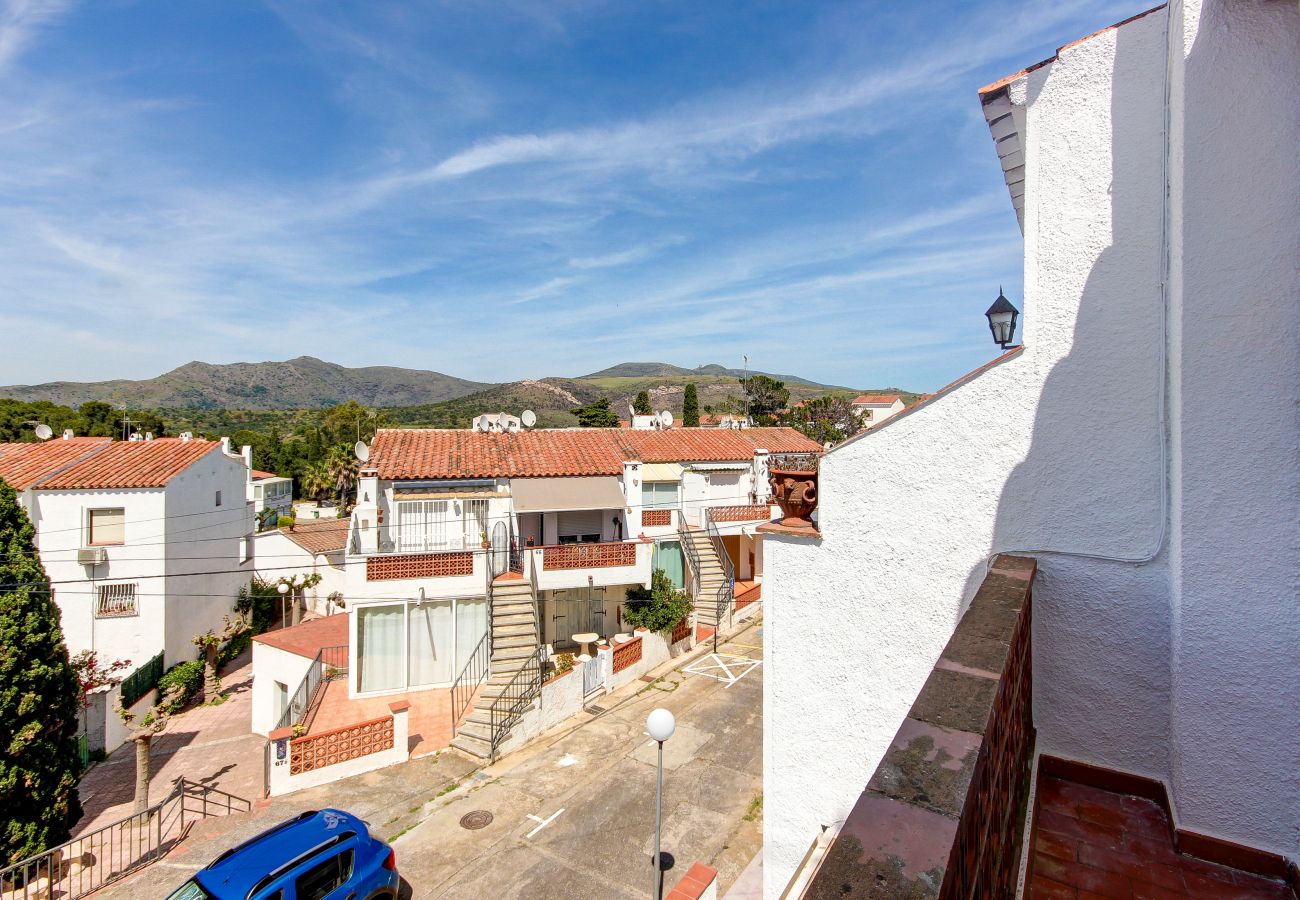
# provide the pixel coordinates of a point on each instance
(92, 556)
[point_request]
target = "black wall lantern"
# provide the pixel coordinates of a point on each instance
(1002, 320)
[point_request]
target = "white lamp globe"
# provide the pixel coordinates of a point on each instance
(660, 724)
(283, 588)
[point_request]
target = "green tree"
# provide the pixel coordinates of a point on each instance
(827, 419)
(597, 414)
(641, 405)
(766, 398)
(659, 607)
(39, 699)
(691, 407)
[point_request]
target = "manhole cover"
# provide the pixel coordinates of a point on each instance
(593, 709)
(479, 818)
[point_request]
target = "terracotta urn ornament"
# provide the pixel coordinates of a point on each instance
(795, 491)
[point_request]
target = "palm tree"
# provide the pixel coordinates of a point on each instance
(341, 472)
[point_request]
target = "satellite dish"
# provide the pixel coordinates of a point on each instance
(44, 432)
(666, 419)
(362, 451)
(529, 418)
(631, 411)
(503, 419)
(483, 423)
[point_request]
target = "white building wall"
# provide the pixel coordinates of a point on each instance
(1032, 455)
(61, 518)
(205, 562)
(271, 665)
(1236, 180)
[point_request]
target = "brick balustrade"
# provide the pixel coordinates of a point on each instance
(628, 654)
(655, 518)
(940, 816)
(589, 556)
(681, 631)
(751, 513)
(313, 751)
(419, 565)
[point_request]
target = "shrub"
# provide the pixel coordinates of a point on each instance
(659, 608)
(235, 646)
(563, 663)
(259, 602)
(285, 522)
(188, 676)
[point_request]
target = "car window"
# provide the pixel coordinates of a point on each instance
(277, 894)
(326, 875)
(190, 890)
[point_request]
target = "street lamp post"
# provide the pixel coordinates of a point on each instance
(660, 725)
(283, 588)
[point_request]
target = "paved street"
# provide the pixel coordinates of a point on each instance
(598, 769)
(600, 772)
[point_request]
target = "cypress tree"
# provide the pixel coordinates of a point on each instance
(39, 699)
(691, 407)
(641, 405)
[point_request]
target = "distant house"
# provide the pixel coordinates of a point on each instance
(725, 421)
(146, 542)
(876, 408)
(271, 495)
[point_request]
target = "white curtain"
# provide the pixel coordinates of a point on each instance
(471, 625)
(431, 657)
(380, 645)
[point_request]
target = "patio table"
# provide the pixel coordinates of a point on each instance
(585, 639)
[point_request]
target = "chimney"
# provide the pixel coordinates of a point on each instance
(225, 445)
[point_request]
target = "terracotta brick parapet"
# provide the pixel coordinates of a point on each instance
(699, 883)
(940, 816)
(789, 530)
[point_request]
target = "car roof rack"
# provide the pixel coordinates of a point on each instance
(298, 860)
(302, 816)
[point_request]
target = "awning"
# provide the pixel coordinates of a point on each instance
(661, 472)
(720, 467)
(558, 494)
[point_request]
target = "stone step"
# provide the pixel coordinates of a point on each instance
(513, 617)
(509, 642)
(502, 655)
(472, 746)
(513, 629)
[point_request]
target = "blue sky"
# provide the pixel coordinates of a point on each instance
(508, 190)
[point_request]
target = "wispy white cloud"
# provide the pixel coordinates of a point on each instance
(21, 21)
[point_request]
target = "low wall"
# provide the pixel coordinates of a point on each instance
(941, 815)
(271, 665)
(295, 763)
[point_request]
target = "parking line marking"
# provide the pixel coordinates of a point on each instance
(544, 822)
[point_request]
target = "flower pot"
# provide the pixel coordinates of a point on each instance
(795, 491)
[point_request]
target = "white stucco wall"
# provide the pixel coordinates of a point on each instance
(271, 664)
(1236, 538)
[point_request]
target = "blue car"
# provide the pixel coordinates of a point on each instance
(316, 855)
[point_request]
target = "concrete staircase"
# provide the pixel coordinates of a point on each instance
(713, 578)
(515, 635)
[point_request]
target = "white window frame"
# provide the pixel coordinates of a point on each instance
(435, 526)
(90, 526)
(652, 489)
(407, 606)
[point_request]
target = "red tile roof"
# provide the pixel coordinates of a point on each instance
(258, 475)
(319, 536)
(22, 465)
(308, 638)
(437, 453)
(874, 399)
(131, 464)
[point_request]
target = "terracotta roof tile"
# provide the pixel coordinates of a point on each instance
(443, 453)
(319, 536)
(22, 465)
(883, 399)
(308, 638)
(131, 464)
(258, 475)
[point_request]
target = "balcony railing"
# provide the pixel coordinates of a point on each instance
(588, 556)
(753, 512)
(419, 565)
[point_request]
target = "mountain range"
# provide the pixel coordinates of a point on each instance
(310, 383)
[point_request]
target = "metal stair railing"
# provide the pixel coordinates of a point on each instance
(474, 673)
(726, 598)
(94, 859)
(330, 664)
(514, 700)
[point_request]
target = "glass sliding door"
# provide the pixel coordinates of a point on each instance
(471, 625)
(381, 647)
(669, 557)
(431, 644)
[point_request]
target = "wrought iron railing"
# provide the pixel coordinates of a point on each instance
(726, 596)
(330, 664)
(692, 558)
(472, 674)
(515, 698)
(94, 859)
